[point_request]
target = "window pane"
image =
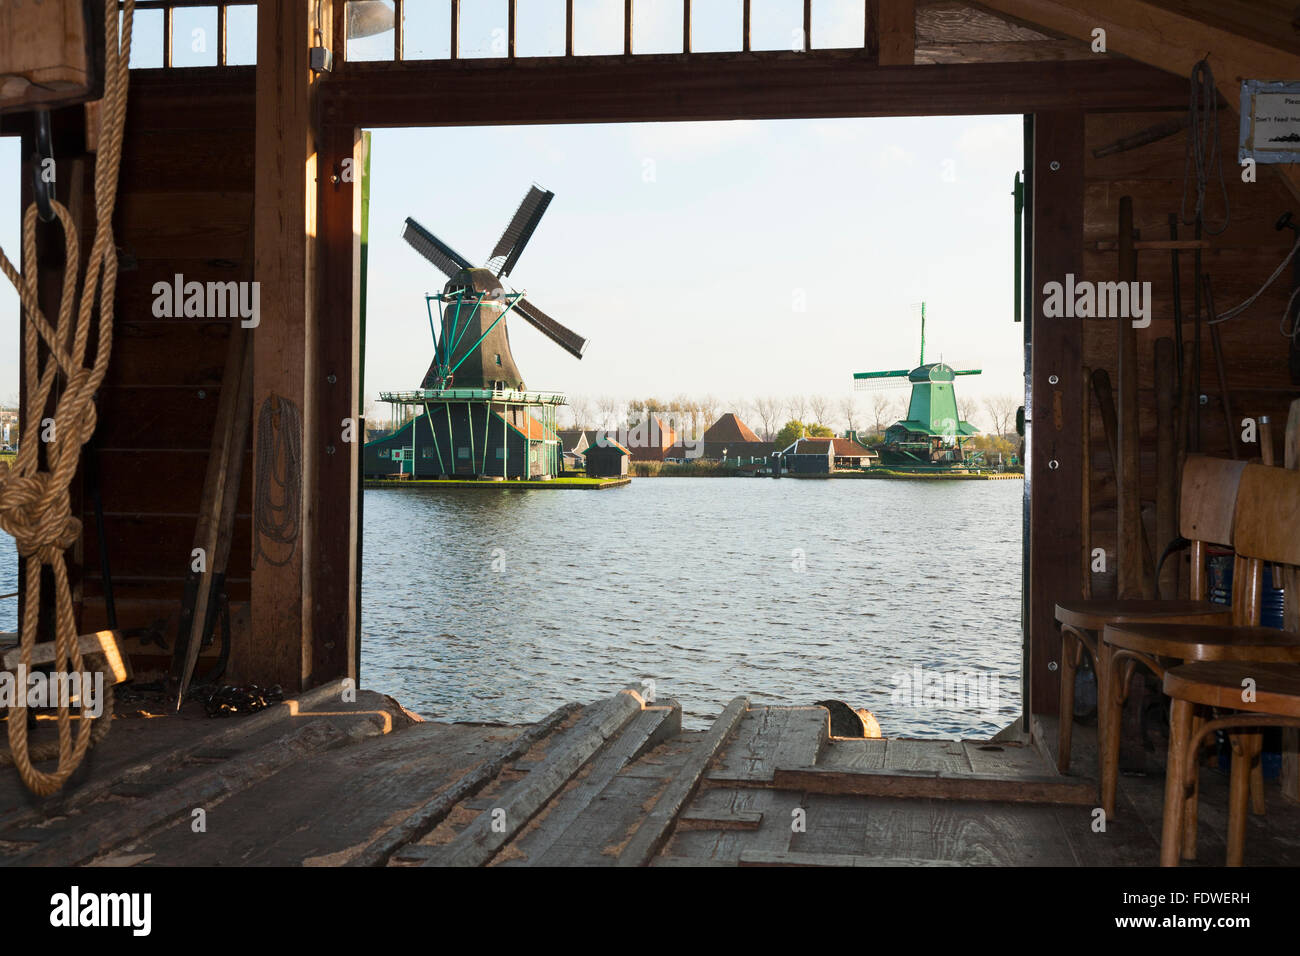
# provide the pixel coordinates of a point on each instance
(367, 37)
(539, 29)
(838, 24)
(483, 26)
(146, 39)
(657, 26)
(427, 30)
(776, 25)
(241, 35)
(716, 25)
(194, 36)
(597, 27)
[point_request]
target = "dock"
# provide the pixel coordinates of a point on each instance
(318, 781)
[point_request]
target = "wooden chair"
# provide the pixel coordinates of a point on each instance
(1209, 494)
(1266, 694)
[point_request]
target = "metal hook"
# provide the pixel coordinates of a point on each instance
(43, 190)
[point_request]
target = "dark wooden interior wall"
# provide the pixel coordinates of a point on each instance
(184, 207)
(1255, 353)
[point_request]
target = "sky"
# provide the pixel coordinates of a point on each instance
(738, 260)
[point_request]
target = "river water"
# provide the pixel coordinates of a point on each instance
(491, 605)
(502, 605)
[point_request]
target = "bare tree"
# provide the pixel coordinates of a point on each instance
(882, 410)
(580, 409)
(821, 406)
(769, 413)
(610, 410)
(849, 411)
(798, 405)
(708, 406)
(1001, 410)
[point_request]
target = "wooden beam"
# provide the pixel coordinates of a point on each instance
(1053, 412)
(512, 21)
(335, 390)
(1168, 39)
(724, 86)
(399, 29)
(746, 19)
(686, 26)
(627, 27)
(568, 28)
(284, 219)
(807, 25)
(871, 30)
(896, 33)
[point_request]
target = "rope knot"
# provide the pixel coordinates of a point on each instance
(37, 512)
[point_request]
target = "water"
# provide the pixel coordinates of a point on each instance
(502, 605)
(690, 582)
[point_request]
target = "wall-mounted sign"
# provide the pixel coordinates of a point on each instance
(1270, 122)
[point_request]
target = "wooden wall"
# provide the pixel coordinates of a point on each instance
(1255, 353)
(184, 206)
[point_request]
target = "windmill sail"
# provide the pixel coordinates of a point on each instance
(512, 242)
(565, 338)
(447, 260)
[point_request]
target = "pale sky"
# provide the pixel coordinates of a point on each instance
(739, 259)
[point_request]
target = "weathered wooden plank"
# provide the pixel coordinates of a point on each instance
(138, 817)
(1005, 759)
(774, 737)
(794, 858)
(492, 829)
(939, 785)
(429, 814)
(902, 753)
(653, 831)
(649, 728)
(865, 754)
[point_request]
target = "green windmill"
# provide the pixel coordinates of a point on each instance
(933, 433)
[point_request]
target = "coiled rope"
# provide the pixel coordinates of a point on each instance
(34, 503)
(1203, 153)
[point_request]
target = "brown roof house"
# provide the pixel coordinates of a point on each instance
(821, 456)
(733, 437)
(650, 440)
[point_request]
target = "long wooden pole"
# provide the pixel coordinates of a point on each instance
(1166, 464)
(1128, 480)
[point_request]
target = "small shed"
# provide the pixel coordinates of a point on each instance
(607, 459)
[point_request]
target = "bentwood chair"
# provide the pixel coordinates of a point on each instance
(1264, 694)
(1209, 493)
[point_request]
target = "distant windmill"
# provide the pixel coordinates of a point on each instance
(933, 432)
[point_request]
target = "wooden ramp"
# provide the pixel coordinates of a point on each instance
(613, 783)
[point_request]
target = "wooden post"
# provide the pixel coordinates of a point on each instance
(568, 28)
(284, 225)
(511, 27)
(1085, 486)
(1128, 487)
(455, 29)
(627, 27)
(1166, 465)
(871, 30)
(807, 25)
(335, 390)
(399, 30)
(896, 33)
(745, 20)
(686, 26)
(1054, 444)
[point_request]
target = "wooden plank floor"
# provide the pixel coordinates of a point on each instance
(614, 783)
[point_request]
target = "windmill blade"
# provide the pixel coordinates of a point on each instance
(447, 259)
(512, 241)
(968, 371)
(570, 341)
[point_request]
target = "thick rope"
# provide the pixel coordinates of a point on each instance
(277, 465)
(34, 504)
